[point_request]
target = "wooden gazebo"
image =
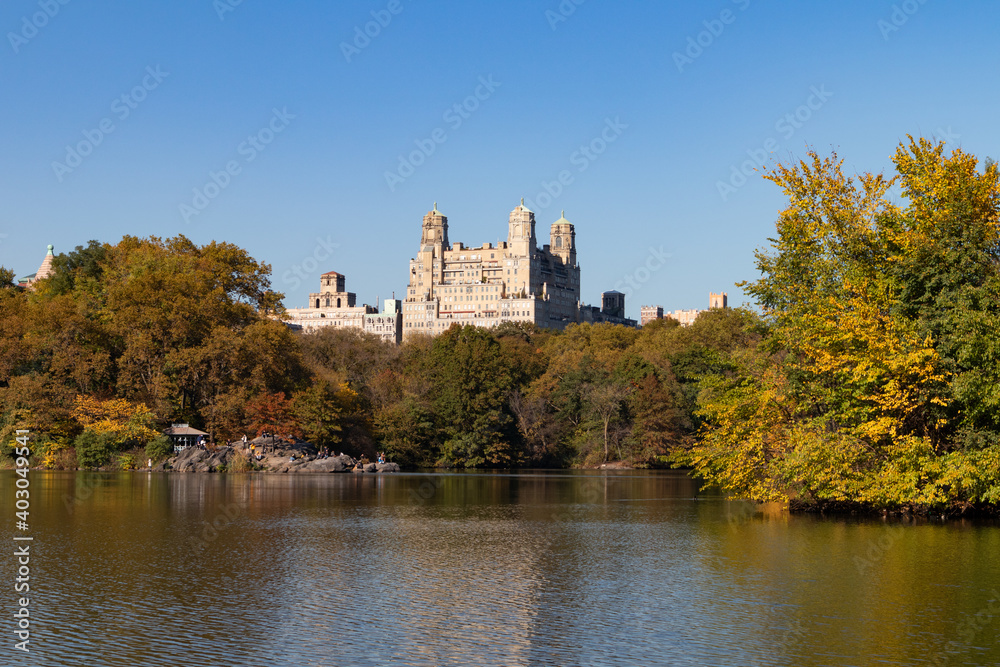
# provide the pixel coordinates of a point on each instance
(183, 436)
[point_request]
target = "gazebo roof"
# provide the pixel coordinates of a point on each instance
(182, 429)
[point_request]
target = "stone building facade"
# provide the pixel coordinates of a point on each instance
(612, 311)
(485, 285)
(649, 313)
(334, 306)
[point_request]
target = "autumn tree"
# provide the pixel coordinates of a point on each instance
(272, 414)
(875, 382)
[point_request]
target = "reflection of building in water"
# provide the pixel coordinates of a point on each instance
(334, 306)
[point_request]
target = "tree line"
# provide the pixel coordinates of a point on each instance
(869, 373)
(125, 339)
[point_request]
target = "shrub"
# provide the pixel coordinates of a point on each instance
(94, 450)
(159, 447)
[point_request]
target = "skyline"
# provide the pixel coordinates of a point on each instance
(304, 135)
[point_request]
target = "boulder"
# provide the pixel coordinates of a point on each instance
(371, 467)
(387, 467)
(341, 463)
(191, 459)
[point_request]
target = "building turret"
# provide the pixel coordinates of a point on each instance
(435, 230)
(562, 242)
(521, 231)
(718, 300)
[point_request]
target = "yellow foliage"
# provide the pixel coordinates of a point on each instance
(127, 421)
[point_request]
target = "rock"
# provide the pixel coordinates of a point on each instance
(387, 467)
(332, 464)
(371, 467)
(191, 459)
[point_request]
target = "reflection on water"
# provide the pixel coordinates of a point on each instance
(487, 569)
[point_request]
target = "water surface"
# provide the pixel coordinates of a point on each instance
(563, 568)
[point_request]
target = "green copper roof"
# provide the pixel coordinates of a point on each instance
(562, 220)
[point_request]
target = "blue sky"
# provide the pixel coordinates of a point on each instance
(643, 108)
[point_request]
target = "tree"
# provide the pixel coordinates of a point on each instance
(273, 414)
(471, 378)
(83, 266)
(125, 423)
(607, 401)
(317, 410)
(876, 379)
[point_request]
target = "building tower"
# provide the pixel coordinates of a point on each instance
(718, 300)
(562, 240)
(521, 232)
(332, 292)
(427, 269)
(435, 230)
(613, 304)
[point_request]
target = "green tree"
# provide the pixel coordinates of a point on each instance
(876, 379)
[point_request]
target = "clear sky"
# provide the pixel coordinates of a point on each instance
(643, 109)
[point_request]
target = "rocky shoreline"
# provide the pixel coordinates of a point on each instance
(277, 459)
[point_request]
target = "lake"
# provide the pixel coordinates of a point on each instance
(547, 568)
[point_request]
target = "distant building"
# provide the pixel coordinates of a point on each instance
(514, 281)
(612, 311)
(649, 313)
(613, 304)
(685, 317)
(334, 306)
(43, 272)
